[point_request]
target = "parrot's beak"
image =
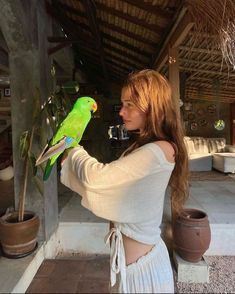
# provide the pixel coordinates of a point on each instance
(94, 107)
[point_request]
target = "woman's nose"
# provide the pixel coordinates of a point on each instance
(121, 111)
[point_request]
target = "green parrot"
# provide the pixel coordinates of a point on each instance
(73, 127)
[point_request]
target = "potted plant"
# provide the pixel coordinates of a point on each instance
(19, 229)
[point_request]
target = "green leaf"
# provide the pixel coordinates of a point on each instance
(24, 144)
(32, 162)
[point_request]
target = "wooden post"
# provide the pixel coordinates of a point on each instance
(174, 77)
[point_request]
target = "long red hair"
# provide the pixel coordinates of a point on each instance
(151, 93)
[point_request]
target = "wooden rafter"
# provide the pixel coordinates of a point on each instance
(200, 50)
(126, 33)
(90, 9)
(209, 85)
(124, 44)
(153, 9)
(123, 59)
(200, 62)
(211, 72)
(180, 28)
(56, 12)
(95, 58)
(84, 42)
(108, 25)
(57, 47)
(122, 52)
(152, 27)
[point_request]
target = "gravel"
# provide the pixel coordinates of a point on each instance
(221, 277)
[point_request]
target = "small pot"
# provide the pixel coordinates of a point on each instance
(18, 238)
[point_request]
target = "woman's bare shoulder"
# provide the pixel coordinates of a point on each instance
(168, 150)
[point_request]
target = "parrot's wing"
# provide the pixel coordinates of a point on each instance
(55, 149)
(72, 126)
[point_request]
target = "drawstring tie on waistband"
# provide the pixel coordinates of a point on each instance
(117, 257)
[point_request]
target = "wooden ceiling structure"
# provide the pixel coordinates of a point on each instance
(112, 38)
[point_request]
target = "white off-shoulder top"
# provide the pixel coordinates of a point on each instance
(129, 192)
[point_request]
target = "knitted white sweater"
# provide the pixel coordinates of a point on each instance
(129, 191)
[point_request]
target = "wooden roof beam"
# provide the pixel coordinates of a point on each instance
(57, 48)
(179, 31)
(89, 7)
(152, 27)
(111, 52)
(126, 33)
(66, 23)
(200, 50)
(123, 44)
(209, 98)
(200, 62)
(107, 25)
(121, 52)
(211, 72)
(153, 9)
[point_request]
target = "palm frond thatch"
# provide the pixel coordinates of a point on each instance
(216, 18)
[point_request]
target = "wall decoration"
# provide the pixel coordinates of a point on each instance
(191, 116)
(188, 106)
(219, 124)
(193, 126)
(211, 108)
(202, 122)
(200, 112)
(186, 123)
(7, 92)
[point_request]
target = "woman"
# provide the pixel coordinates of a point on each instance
(130, 191)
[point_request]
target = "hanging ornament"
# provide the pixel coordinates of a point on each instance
(219, 124)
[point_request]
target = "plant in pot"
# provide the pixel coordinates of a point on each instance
(19, 229)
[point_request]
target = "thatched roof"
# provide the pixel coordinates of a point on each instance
(112, 38)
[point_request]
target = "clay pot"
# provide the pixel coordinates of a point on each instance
(192, 235)
(18, 239)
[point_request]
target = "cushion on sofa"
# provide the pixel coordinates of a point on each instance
(196, 145)
(216, 144)
(189, 145)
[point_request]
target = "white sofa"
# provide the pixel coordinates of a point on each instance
(224, 162)
(201, 150)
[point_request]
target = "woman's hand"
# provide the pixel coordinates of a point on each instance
(65, 155)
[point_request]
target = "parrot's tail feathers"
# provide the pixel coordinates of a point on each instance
(48, 169)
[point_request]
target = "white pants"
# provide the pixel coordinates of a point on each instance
(151, 273)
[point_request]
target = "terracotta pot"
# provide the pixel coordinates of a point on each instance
(18, 238)
(191, 234)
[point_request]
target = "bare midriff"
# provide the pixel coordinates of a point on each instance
(134, 249)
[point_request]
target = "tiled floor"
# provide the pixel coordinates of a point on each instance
(83, 275)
